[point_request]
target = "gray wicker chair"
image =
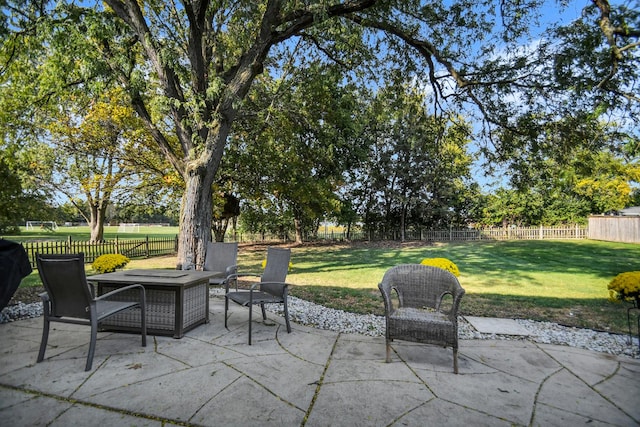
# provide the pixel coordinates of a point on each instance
(271, 289)
(221, 257)
(69, 299)
(420, 315)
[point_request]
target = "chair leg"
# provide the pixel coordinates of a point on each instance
(92, 343)
(388, 360)
(143, 324)
(45, 338)
(250, 321)
(226, 308)
(455, 360)
(286, 316)
(264, 313)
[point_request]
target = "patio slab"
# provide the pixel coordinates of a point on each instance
(309, 377)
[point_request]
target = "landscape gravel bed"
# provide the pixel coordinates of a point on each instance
(311, 314)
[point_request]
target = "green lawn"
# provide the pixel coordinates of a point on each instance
(561, 281)
(83, 233)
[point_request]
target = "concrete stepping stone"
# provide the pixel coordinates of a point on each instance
(489, 325)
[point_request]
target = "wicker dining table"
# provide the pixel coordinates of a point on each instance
(177, 300)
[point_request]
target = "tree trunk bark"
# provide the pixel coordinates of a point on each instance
(96, 223)
(403, 214)
(220, 228)
(298, 226)
(196, 215)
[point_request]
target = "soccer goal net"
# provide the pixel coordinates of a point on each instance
(126, 227)
(41, 225)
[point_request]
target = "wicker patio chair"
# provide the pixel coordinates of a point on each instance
(422, 313)
(271, 289)
(69, 299)
(221, 257)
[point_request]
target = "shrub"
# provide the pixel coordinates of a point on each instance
(108, 263)
(625, 286)
(442, 263)
(264, 264)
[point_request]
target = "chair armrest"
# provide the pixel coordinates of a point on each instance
(46, 304)
(274, 288)
(248, 274)
(125, 288)
(385, 290)
(455, 304)
(234, 276)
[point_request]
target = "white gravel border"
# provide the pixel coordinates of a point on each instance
(311, 314)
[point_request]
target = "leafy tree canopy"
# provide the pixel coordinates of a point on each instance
(187, 67)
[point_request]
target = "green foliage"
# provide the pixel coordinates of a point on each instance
(289, 164)
(565, 171)
(417, 169)
(599, 62)
(189, 74)
(108, 263)
(10, 195)
(16, 204)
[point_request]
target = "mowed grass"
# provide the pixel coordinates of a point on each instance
(561, 281)
(83, 233)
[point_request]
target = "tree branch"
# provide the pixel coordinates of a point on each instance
(610, 32)
(129, 11)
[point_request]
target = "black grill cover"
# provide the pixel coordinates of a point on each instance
(14, 266)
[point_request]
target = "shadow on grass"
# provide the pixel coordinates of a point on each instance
(491, 258)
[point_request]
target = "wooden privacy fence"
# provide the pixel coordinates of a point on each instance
(615, 228)
(133, 248)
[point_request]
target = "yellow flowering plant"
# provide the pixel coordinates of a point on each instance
(442, 263)
(625, 286)
(108, 263)
(264, 264)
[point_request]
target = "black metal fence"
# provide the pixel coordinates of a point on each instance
(144, 247)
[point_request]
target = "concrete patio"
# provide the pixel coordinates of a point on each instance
(311, 377)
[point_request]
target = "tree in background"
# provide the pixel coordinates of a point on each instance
(86, 158)
(587, 110)
(188, 67)
(16, 205)
(297, 141)
(417, 171)
(573, 167)
(506, 207)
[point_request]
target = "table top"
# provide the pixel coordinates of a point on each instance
(155, 277)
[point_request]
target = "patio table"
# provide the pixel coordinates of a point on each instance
(177, 300)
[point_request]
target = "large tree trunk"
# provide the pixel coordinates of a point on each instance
(220, 229)
(403, 214)
(298, 226)
(96, 222)
(195, 221)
